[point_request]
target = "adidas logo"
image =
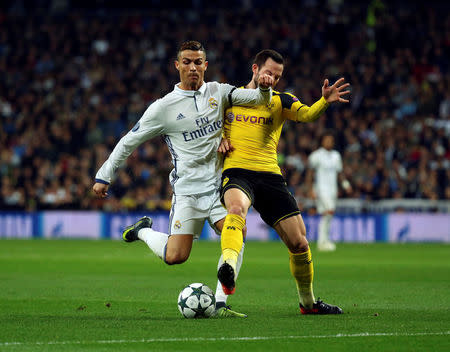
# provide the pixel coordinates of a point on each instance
(180, 116)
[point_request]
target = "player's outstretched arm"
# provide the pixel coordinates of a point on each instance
(335, 92)
(251, 97)
(149, 126)
(330, 94)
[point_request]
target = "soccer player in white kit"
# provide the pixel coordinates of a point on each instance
(327, 165)
(190, 118)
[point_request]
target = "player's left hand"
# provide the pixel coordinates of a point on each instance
(225, 146)
(336, 91)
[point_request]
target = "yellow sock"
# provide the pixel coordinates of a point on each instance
(302, 270)
(232, 239)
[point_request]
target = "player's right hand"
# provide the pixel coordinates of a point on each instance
(265, 81)
(100, 189)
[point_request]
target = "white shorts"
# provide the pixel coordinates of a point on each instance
(326, 203)
(188, 213)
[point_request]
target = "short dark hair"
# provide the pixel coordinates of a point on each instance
(191, 45)
(326, 133)
(263, 55)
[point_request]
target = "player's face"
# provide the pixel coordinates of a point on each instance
(271, 68)
(328, 142)
(192, 66)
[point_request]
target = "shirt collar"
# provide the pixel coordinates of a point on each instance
(190, 93)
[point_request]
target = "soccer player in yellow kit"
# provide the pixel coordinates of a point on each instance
(251, 176)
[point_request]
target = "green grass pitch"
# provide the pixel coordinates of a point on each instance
(69, 295)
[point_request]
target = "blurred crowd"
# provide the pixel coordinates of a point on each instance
(74, 80)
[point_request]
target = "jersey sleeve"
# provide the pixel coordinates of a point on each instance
(150, 125)
(294, 110)
(245, 97)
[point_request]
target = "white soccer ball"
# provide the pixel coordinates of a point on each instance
(196, 301)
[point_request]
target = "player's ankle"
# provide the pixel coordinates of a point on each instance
(230, 256)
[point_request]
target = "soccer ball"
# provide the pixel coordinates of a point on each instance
(196, 301)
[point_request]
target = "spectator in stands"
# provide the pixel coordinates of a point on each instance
(72, 81)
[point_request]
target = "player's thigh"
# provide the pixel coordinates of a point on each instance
(273, 200)
(188, 215)
(178, 248)
(292, 231)
(237, 191)
(217, 213)
(237, 202)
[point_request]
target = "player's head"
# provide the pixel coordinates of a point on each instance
(268, 62)
(327, 140)
(191, 64)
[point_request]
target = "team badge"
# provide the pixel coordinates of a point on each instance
(270, 105)
(213, 103)
(177, 224)
(230, 117)
(225, 181)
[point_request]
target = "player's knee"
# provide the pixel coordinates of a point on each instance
(237, 209)
(298, 245)
(176, 257)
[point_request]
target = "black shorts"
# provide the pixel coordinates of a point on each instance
(267, 192)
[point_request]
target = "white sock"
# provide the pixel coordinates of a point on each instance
(220, 295)
(327, 225)
(155, 240)
(324, 228)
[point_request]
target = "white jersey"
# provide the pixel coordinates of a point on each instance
(191, 123)
(327, 164)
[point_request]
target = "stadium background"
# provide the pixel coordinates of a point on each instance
(76, 75)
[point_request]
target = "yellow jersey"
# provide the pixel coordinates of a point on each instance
(254, 131)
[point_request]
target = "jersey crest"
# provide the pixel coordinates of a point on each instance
(213, 103)
(225, 181)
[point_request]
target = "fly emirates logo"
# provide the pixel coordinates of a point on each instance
(205, 127)
(260, 120)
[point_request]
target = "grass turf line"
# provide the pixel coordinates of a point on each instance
(58, 291)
